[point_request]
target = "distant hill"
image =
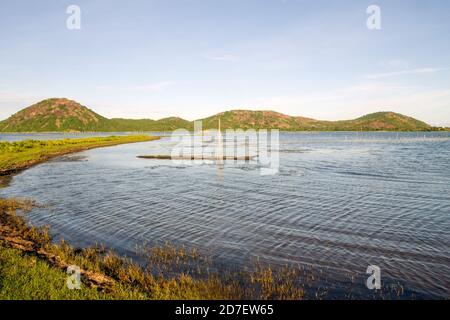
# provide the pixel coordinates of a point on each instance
(380, 121)
(63, 115)
(54, 115)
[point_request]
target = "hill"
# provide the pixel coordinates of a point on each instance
(63, 115)
(246, 119)
(379, 121)
(57, 114)
(386, 121)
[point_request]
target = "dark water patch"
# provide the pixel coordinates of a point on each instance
(69, 158)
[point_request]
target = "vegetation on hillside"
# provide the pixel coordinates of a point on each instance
(380, 121)
(63, 115)
(386, 121)
(166, 124)
(54, 115)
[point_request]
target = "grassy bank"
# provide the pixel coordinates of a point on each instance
(16, 156)
(32, 266)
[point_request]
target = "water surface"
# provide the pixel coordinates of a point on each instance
(341, 201)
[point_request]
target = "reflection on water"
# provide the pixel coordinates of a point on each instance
(341, 201)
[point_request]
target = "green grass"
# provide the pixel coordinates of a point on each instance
(20, 155)
(26, 277)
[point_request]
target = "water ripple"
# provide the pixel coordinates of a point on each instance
(339, 202)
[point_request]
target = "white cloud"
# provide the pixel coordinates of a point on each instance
(403, 72)
(395, 64)
(222, 57)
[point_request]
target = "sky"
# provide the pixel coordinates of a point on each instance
(195, 58)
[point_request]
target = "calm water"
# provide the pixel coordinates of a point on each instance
(341, 202)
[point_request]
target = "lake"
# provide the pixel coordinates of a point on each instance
(341, 201)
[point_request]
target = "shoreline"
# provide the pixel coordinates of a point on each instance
(84, 144)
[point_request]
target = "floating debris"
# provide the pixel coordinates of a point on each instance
(197, 157)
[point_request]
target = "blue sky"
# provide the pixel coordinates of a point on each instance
(194, 58)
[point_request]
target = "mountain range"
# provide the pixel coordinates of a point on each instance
(64, 115)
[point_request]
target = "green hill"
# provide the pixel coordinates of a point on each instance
(63, 115)
(54, 115)
(246, 119)
(386, 121)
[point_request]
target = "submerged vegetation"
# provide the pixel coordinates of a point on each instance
(16, 156)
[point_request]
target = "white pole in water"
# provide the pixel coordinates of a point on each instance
(219, 155)
(219, 144)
